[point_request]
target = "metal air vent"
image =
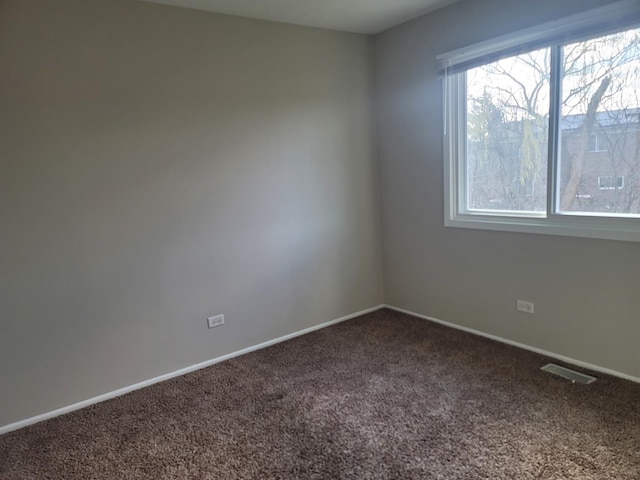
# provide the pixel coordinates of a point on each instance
(568, 374)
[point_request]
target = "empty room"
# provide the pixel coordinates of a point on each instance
(319, 239)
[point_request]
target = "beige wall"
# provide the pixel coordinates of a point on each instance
(160, 165)
(586, 292)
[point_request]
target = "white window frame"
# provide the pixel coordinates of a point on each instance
(552, 222)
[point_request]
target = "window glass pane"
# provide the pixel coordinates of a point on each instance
(507, 134)
(600, 126)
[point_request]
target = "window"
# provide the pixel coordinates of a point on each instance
(543, 127)
(598, 143)
(610, 183)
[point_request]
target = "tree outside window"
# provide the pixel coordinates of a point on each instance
(598, 132)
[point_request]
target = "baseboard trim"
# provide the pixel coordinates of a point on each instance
(167, 376)
(562, 358)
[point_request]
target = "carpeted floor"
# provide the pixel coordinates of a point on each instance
(383, 396)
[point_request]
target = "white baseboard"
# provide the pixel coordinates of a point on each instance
(167, 376)
(562, 358)
(116, 393)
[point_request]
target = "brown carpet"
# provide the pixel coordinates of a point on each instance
(383, 396)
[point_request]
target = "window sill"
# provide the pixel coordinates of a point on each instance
(621, 229)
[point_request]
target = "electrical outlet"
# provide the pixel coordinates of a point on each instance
(526, 307)
(215, 321)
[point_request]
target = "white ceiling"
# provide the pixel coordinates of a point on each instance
(360, 16)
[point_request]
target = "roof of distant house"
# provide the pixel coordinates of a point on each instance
(610, 118)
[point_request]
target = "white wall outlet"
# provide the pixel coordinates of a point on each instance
(526, 307)
(215, 321)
